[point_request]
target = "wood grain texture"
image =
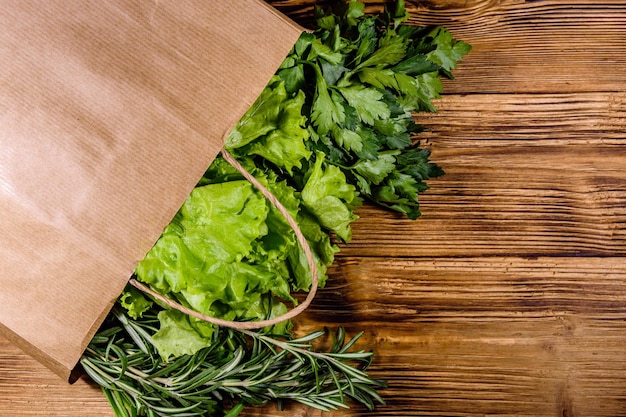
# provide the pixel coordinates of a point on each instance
(29, 389)
(487, 336)
(525, 200)
(508, 296)
(522, 46)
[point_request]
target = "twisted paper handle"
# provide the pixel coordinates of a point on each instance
(250, 324)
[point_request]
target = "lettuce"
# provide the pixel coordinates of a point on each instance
(332, 126)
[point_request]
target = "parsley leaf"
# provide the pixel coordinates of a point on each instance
(367, 102)
(448, 50)
(391, 49)
(325, 112)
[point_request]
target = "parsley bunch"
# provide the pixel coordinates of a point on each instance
(370, 74)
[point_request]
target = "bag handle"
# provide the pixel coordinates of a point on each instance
(246, 325)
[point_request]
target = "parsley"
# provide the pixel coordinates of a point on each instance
(372, 73)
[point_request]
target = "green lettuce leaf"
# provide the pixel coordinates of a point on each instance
(273, 128)
(328, 196)
(134, 302)
(180, 335)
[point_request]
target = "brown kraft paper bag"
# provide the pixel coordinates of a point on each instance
(110, 112)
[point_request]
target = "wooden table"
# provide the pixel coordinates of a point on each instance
(508, 297)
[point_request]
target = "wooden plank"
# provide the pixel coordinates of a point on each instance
(518, 200)
(541, 46)
(524, 120)
(480, 289)
(520, 46)
(485, 336)
(29, 389)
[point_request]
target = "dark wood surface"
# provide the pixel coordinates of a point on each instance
(508, 297)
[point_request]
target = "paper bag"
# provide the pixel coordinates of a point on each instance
(110, 112)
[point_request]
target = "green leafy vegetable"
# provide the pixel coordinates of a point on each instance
(273, 128)
(333, 126)
(327, 195)
(362, 103)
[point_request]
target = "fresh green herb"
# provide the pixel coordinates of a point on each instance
(238, 368)
(371, 73)
(332, 127)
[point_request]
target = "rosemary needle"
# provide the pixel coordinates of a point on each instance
(239, 368)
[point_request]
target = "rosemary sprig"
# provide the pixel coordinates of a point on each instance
(239, 368)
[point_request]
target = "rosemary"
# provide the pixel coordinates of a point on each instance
(239, 368)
